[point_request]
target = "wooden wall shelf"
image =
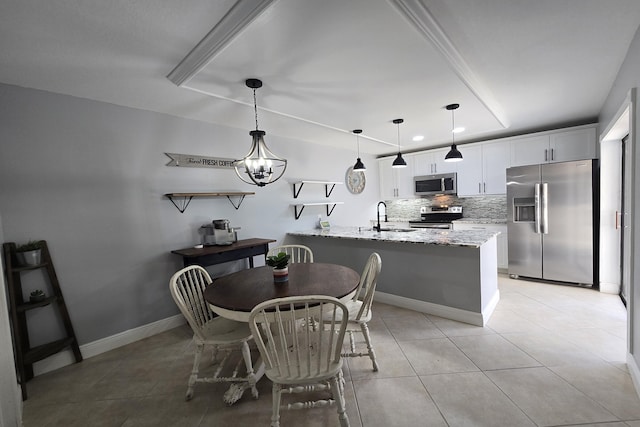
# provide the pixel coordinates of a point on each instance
(181, 200)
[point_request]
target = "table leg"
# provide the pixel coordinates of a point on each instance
(250, 262)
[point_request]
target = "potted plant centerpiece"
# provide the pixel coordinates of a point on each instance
(29, 253)
(280, 264)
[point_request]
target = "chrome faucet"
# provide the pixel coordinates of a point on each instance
(377, 227)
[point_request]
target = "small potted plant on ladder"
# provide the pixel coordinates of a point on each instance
(280, 264)
(29, 253)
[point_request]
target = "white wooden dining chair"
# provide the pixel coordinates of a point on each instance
(221, 334)
(359, 310)
(299, 253)
(298, 356)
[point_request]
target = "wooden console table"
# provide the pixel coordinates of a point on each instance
(209, 255)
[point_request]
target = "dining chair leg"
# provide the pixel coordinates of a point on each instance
(276, 391)
(367, 338)
(340, 402)
(251, 376)
(194, 371)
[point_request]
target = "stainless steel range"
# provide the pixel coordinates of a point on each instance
(438, 217)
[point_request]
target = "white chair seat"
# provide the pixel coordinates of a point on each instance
(224, 331)
(353, 308)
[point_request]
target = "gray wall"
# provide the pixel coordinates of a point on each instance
(89, 178)
(629, 77)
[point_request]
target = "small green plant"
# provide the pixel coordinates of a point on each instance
(281, 260)
(38, 293)
(31, 245)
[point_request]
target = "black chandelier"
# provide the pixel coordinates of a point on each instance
(260, 165)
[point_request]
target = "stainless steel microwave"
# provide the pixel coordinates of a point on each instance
(429, 185)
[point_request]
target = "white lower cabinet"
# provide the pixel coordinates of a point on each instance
(502, 241)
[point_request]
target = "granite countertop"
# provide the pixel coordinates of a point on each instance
(480, 221)
(473, 239)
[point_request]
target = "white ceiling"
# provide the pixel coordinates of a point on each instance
(330, 66)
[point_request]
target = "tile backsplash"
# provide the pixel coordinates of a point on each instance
(494, 207)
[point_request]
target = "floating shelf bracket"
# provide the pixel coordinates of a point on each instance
(300, 207)
(239, 202)
(181, 200)
(184, 202)
(328, 187)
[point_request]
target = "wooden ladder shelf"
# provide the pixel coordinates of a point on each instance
(26, 355)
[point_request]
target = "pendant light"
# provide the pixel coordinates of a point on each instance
(260, 166)
(453, 155)
(359, 166)
(399, 161)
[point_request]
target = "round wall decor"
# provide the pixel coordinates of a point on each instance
(355, 181)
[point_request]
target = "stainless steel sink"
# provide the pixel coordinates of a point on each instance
(397, 230)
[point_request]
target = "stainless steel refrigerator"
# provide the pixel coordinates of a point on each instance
(552, 221)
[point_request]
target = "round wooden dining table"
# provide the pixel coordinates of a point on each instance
(234, 296)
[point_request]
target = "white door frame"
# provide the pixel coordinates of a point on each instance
(621, 124)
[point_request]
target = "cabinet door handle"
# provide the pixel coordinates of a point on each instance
(484, 186)
(552, 156)
(479, 190)
(546, 157)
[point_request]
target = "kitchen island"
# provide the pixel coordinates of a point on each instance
(452, 274)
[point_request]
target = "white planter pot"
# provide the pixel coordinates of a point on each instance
(29, 258)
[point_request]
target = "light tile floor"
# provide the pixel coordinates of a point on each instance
(551, 355)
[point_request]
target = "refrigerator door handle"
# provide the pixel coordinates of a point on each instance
(545, 208)
(537, 208)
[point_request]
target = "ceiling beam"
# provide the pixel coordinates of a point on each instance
(422, 20)
(241, 14)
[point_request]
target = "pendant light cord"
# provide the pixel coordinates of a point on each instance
(255, 107)
(453, 127)
(398, 137)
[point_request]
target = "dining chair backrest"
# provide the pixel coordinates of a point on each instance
(299, 253)
(187, 289)
(367, 285)
(290, 342)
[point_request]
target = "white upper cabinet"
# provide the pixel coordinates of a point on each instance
(396, 183)
(432, 162)
(483, 168)
(531, 150)
(553, 147)
(570, 145)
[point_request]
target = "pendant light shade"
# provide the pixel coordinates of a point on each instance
(260, 166)
(359, 166)
(399, 161)
(453, 155)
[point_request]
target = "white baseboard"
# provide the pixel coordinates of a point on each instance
(610, 288)
(100, 346)
(634, 370)
(473, 318)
